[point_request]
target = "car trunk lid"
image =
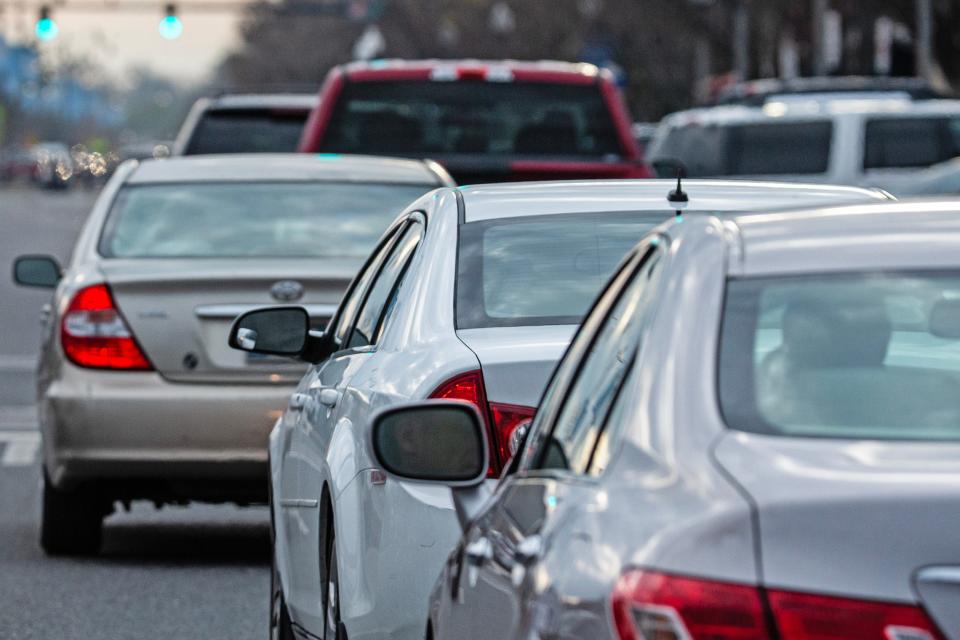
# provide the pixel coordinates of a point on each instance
(517, 361)
(181, 310)
(853, 518)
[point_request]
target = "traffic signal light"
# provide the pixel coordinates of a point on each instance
(46, 28)
(170, 27)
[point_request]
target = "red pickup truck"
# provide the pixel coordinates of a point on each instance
(484, 121)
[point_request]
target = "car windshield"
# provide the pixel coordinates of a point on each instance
(247, 131)
(787, 148)
(847, 356)
(495, 118)
(540, 270)
(255, 219)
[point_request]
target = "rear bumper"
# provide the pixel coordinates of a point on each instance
(136, 426)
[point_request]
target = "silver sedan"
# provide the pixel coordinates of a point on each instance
(139, 396)
(756, 434)
(473, 294)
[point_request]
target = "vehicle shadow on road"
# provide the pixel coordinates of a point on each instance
(244, 541)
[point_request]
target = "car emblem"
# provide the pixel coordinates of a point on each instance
(286, 291)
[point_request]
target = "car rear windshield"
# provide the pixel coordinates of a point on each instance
(872, 356)
(790, 148)
(253, 219)
(247, 131)
(495, 118)
(540, 270)
(910, 142)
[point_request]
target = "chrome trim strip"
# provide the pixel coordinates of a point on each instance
(300, 503)
(231, 311)
(941, 575)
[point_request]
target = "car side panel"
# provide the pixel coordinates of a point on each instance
(326, 443)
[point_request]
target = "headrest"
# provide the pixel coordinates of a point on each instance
(852, 333)
(945, 319)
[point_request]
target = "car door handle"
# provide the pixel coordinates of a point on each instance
(45, 312)
(525, 554)
(329, 397)
(528, 550)
(299, 401)
(478, 552)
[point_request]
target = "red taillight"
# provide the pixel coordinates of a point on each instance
(803, 616)
(655, 606)
(94, 334)
(504, 418)
(507, 419)
(471, 73)
(465, 386)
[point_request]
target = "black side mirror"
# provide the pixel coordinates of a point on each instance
(440, 441)
(37, 271)
(279, 331)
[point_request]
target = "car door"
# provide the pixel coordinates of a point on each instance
(322, 401)
(506, 542)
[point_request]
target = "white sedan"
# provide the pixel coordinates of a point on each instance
(472, 294)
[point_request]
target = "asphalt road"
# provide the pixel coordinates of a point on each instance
(192, 572)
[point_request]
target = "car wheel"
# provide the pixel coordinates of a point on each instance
(71, 521)
(280, 627)
(334, 628)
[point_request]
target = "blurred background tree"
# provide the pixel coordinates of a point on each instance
(666, 52)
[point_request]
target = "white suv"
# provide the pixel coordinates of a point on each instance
(858, 140)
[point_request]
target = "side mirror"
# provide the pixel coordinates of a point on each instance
(37, 271)
(441, 442)
(438, 442)
(279, 331)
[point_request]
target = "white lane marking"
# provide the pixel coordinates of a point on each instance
(21, 449)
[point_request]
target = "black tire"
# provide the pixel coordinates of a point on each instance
(71, 521)
(333, 624)
(280, 627)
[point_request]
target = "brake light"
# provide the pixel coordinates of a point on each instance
(655, 606)
(802, 615)
(508, 423)
(504, 418)
(95, 335)
(467, 387)
(446, 73)
(471, 73)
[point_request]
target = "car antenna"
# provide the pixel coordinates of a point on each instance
(678, 194)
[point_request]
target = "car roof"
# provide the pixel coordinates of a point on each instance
(485, 202)
(759, 90)
(524, 69)
(298, 101)
(909, 234)
(280, 166)
(802, 107)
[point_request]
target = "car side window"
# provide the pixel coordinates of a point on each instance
(566, 370)
(369, 319)
(603, 366)
(351, 304)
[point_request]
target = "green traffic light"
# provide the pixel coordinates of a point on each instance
(170, 27)
(46, 29)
